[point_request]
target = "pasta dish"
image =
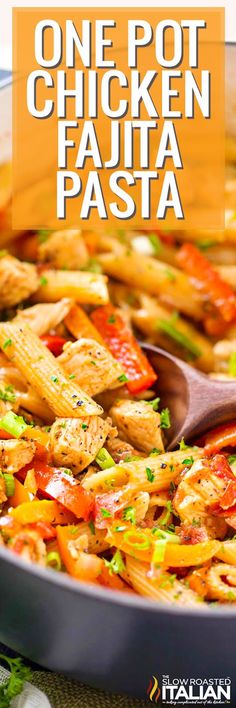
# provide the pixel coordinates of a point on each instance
(86, 484)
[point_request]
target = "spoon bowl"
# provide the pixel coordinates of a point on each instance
(196, 402)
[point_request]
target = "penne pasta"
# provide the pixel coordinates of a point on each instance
(164, 588)
(164, 469)
(155, 278)
(43, 372)
(83, 287)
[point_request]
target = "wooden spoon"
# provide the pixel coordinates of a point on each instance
(196, 402)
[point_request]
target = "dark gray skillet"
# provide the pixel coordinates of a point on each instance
(107, 639)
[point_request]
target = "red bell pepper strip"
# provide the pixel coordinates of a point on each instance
(220, 293)
(223, 436)
(124, 348)
(63, 488)
(53, 343)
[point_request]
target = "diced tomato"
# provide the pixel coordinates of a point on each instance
(219, 293)
(192, 534)
(53, 343)
(107, 506)
(125, 348)
(65, 489)
(223, 436)
(46, 530)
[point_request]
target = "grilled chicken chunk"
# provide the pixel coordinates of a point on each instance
(74, 443)
(121, 450)
(65, 249)
(196, 496)
(41, 318)
(18, 280)
(138, 423)
(92, 364)
(14, 454)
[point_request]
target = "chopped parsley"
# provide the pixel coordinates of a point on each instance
(111, 319)
(150, 475)
(92, 527)
(7, 394)
(165, 418)
(84, 426)
(196, 523)
(54, 378)
(116, 564)
(168, 328)
(123, 378)
(232, 364)
(72, 376)
(155, 451)
(129, 514)
(154, 403)
(43, 235)
(182, 445)
(170, 275)
(188, 461)
(43, 280)
(105, 513)
(231, 459)
(7, 343)
(156, 243)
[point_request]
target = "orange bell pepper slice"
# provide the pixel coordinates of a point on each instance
(80, 565)
(219, 293)
(124, 347)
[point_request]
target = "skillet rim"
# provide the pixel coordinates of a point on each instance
(136, 602)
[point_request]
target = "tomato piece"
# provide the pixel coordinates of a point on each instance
(219, 293)
(107, 506)
(220, 437)
(54, 343)
(124, 348)
(65, 489)
(45, 529)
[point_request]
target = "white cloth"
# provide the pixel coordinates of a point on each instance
(30, 697)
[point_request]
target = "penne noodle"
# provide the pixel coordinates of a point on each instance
(172, 333)
(43, 372)
(155, 278)
(165, 468)
(83, 287)
(163, 589)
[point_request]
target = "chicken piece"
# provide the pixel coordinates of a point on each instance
(121, 450)
(92, 364)
(15, 454)
(74, 443)
(41, 318)
(65, 249)
(137, 422)
(18, 281)
(198, 491)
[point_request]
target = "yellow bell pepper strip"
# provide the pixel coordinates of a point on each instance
(41, 510)
(143, 544)
(80, 565)
(20, 496)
